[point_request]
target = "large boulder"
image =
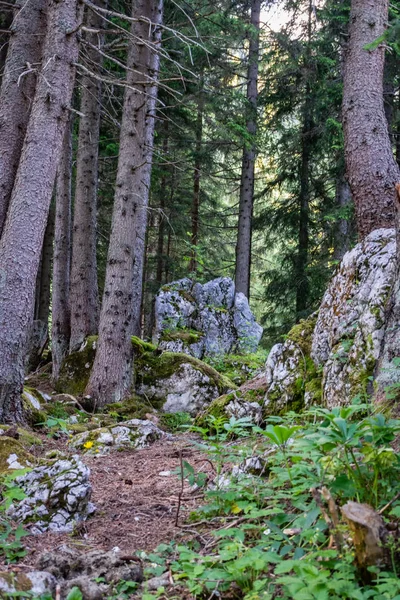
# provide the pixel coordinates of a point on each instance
(332, 359)
(351, 322)
(205, 319)
(56, 496)
(171, 381)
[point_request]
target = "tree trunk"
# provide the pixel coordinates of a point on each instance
(343, 230)
(111, 377)
(62, 257)
(17, 91)
(196, 180)
(23, 233)
(243, 245)
(371, 169)
(84, 295)
(302, 284)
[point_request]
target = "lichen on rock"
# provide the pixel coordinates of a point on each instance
(205, 319)
(56, 496)
(135, 433)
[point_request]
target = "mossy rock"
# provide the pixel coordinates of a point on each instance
(75, 370)
(135, 407)
(152, 366)
(188, 336)
(301, 334)
(19, 582)
(33, 407)
(239, 368)
(13, 455)
(26, 438)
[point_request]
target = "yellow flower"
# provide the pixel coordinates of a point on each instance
(88, 445)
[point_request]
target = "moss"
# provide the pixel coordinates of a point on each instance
(188, 336)
(32, 407)
(187, 296)
(9, 446)
(215, 409)
(75, 369)
(237, 367)
(26, 438)
(19, 581)
(141, 346)
(301, 334)
(153, 366)
(132, 408)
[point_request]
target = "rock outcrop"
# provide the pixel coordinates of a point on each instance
(135, 433)
(205, 320)
(56, 496)
(334, 361)
(171, 381)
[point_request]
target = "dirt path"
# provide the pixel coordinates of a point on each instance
(136, 495)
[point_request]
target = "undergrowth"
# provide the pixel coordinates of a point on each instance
(261, 533)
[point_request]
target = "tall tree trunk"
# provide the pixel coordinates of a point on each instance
(62, 252)
(195, 215)
(39, 331)
(302, 283)
(371, 169)
(84, 300)
(6, 17)
(243, 245)
(111, 376)
(343, 228)
(23, 233)
(17, 91)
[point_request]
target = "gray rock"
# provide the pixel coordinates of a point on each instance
(222, 319)
(284, 366)
(187, 390)
(57, 496)
(351, 323)
(135, 433)
(40, 583)
(73, 568)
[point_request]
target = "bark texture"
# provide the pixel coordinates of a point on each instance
(84, 297)
(60, 326)
(111, 377)
(195, 216)
(22, 238)
(17, 91)
(243, 246)
(371, 169)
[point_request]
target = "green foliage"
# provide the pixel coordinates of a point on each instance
(175, 421)
(11, 534)
(265, 536)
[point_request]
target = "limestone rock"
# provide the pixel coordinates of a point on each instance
(35, 582)
(351, 321)
(135, 433)
(72, 568)
(57, 495)
(205, 320)
(13, 455)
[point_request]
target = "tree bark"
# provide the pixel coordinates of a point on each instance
(243, 245)
(371, 168)
(195, 216)
(62, 257)
(17, 91)
(84, 295)
(23, 233)
(111, 376)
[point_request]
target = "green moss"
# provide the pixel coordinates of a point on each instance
(237, 367)
(186, 295)
(33, 415)
(132, 408)
(153, 366)
(9, 446)
(75, 369)
(188, 336)
(141, 346)
(19, 581)
(26, 438)
(302, 333)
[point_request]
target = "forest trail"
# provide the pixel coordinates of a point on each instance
(136, 494)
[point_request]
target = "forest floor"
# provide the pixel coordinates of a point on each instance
(136, 494)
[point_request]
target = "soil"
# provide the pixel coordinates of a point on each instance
(136, 494)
